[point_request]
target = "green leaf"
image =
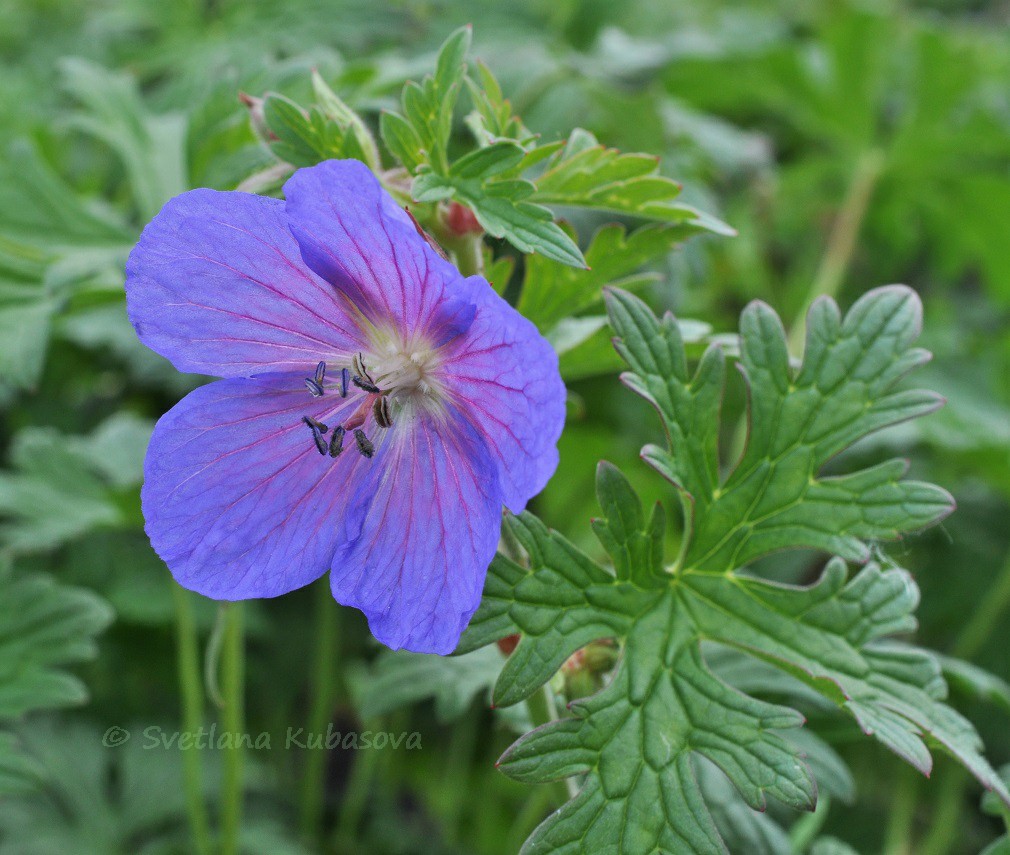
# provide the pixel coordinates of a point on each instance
(18, 772)
(969, 679)
(151, 147)
(402, 140)
(742, 829)
(39, 209)
(304, 138)
(46, 626)
(26, 312)
(128, 798)
(635, 747)
(489, 161)
(501, 209)
(63, 486)
(831, 846)
(399, 679)
(552, 291)
(336, 110)
(492, 119)
(587, 175)
(774, 498)
(428, 109)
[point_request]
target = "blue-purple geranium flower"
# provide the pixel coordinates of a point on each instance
(376, 412)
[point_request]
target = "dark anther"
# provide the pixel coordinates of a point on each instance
(337, 441)
(315, 383)
(315, 424)
(358, 364)
(381, 411)
(345, 380)
(364, 444)
(364, 384)
(318, 429)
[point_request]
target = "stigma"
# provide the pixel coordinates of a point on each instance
(405, 371)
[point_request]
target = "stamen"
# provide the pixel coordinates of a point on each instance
(345, 379)
(315, 424)
(318, 429)
(358, 364)
(337, 441)
(315, 383)
(364, 444)
(366, 385)
(381, 411)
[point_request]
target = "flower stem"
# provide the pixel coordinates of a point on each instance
(842, 239)
(191, 690)
(947, 814)
(543, 709)
(805, 830)
(975, 635)
(898, 839)
(233, 683)
(324, 692)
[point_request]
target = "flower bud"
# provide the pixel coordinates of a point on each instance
(460, 221)
(507, 644)
(257, 118)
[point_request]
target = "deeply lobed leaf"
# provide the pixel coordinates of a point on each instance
(634, 745)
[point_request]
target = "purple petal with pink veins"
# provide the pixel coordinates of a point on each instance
(238, 501)
(352, 234)
(427, 529)
(503, 376)
(217, 285)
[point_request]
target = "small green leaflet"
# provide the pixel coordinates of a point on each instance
(587, 175)
(552, 291)
(500, 203)
(151, 147)
(46, 626)
(329, 130)
(421, 134)
(632, 746)
(63, 486)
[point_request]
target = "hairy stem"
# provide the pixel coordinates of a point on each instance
(232, 686)
(898, 837)
(324, 693)
(946, 825)
(985, 618)
(805, 830)
(191, 691)
(543, 708)
(842, 239)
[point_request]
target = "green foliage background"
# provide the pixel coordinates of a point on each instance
(850, 145)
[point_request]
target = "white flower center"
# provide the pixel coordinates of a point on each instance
(405, 371)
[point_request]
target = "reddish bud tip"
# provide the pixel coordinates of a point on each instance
(509, 643)
(460, 220)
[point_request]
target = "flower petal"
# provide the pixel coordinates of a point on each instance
(217, 285)
(427, 532)
(503, 375)
(354, 235)
(238, 501)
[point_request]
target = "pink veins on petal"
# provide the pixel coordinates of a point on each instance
(376, 409)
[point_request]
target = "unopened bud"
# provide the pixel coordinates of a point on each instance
(585, 671)
(507, 644)
(460, 221)
(257, 118)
